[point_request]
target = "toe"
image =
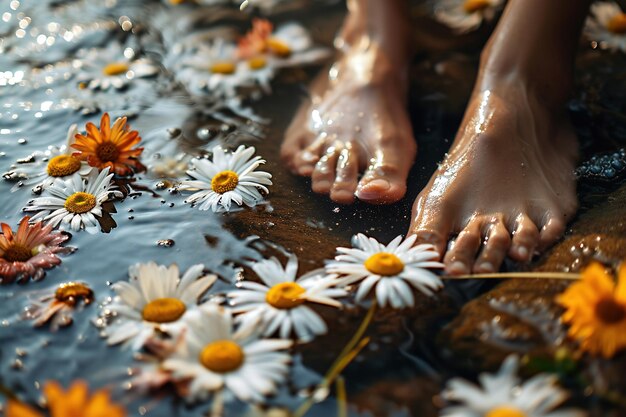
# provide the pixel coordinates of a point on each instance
(382, 185)
(551, 231)
(323, 175)
(497, 244)
(525, 239)
(305, 160)
(343, 189)
(430, 224)
(384, 181)
(461, 256)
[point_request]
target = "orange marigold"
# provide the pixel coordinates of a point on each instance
(76, 401)
(596, 310)
(110, 146)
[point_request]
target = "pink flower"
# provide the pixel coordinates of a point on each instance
(27, 253)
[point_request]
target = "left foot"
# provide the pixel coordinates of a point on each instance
(507, 186)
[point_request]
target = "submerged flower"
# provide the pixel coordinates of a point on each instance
(103, 68)
(57, 306)
(229, 177)
(392, 269)
(27, 253)
(607, 25)
(155, 298)
(41, 169)
(596, 311)
(504, 395)
(213, 357)
(76, 401)
(110, 147)
(279, 304)
(76, 202)
(466, 15)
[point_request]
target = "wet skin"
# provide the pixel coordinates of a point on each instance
(354, 138)
(507, 185)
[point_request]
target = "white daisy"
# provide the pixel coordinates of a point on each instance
(212, 67)
(504, 395)
(266, 50)
(155, 298)
(113, 66)
(75, 202)
(279, 303)
(607, 26)
(41, 169)
(213, 357)
(228, 177)
(392, 269)
(465, 15)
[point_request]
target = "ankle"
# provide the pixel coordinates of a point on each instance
(545, 80)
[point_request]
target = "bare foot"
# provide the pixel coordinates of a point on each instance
(357, 120)
(507, 185)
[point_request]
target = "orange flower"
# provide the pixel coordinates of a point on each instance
(110, 146)
(73, 402)
(253, 43)
(596, 311)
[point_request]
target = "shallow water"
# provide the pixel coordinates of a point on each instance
(405, 366)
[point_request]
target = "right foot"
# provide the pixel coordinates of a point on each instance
(357, 122)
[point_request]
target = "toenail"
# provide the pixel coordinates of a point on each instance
(457, 267)
(373, 188)
(308, 156)
(522, 251)
(322, 185)
(486, 267)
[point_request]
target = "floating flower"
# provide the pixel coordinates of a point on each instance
(229, 177)
(76, 401)
(27, 253)
(607, 26)
(103, 68)
(155, 298)
(391, 269)
(213, 67)
(110, 147)
(596, 311)
(504, 395)
(58, 305)
(265, 49)
(41, 169)
(213, 357)
(280, 302)
(76, 202)
(466, 15)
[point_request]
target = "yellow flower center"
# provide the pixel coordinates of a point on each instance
(69, 292)
(285, 295)
(505, 412)
(115, 68)
(471, 6)
(222, 356)
(385, 264)
(617, 24)
(63, 165)
(224, 67)
(278, 47)
(17, 253)
(80, 202)
(609, 311)
(257, 63)
(163, 310)
(224, 181)
(107, 152)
